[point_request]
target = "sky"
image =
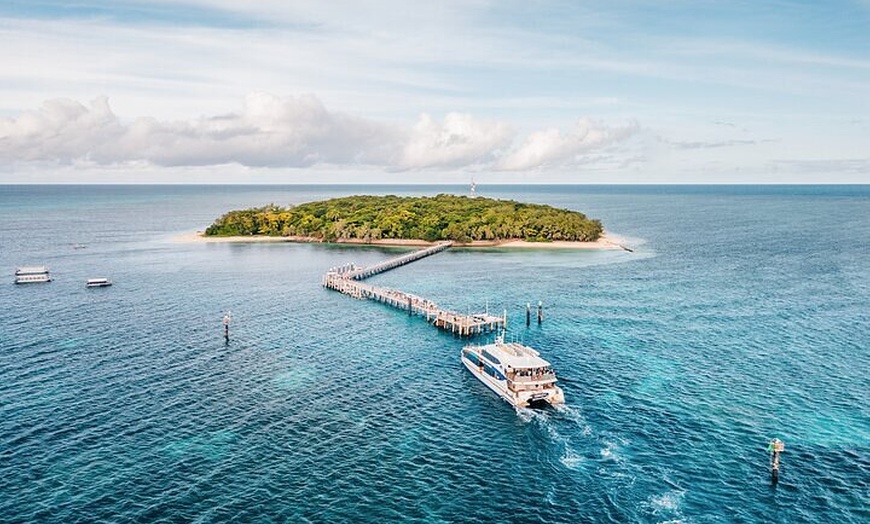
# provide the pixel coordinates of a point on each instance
(390, 91)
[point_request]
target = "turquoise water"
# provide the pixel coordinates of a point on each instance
(741, 315)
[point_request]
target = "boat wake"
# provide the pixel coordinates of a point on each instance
(666, 505)
(565, 416)
(528, 415)
(612, 449)
(571, 459)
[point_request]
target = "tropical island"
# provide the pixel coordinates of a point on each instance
(376, 219)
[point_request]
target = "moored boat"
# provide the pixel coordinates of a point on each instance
(32, 274)
(98, 282)
(517, 373)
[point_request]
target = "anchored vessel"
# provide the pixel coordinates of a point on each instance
(98, 282)
(31, 274)
(517, 373)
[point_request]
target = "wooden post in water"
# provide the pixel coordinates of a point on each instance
(540, 312)
(528, 314)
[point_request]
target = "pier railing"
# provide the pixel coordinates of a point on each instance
(399, 261)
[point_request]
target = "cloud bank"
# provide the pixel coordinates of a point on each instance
(552, 147)
(272, 131)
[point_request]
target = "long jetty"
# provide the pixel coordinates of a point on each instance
(347, 279)
(399, 261)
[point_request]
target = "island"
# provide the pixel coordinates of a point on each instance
(395, 219)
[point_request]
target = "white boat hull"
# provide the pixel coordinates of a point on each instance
(32, 275)
(497, 386)
(552, 395)
(24, 280)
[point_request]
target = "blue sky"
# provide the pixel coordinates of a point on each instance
(442, 92)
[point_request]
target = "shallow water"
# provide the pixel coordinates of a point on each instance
(741, 315)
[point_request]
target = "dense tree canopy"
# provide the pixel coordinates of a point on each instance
(443, 217)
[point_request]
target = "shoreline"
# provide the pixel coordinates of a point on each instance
(607, 241)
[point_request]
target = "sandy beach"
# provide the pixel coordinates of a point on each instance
(607, 241)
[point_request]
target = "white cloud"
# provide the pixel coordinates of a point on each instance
(459, 140)
(269, 131)
(61, 130)
(281, 132)
(552, 147)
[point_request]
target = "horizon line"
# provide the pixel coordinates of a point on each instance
(380, 184)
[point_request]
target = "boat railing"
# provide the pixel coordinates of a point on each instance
(31, 270)
(531, 379)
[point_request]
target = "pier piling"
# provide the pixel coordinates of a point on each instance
(540, 312)
(528, 314)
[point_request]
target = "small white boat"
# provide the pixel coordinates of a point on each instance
(32, 274)
(98, 282)
(517, 373)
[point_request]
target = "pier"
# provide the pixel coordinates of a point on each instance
(347, 279)
(399, 261)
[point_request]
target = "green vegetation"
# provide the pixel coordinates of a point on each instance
(444, 217)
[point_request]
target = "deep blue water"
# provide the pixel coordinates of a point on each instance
(743, 314)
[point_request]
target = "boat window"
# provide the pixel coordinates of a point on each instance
(493, 372)
(472, 357)
(491, 358)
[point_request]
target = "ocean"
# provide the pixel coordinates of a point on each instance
(742, 314)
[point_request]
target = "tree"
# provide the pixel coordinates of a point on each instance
(443, 217)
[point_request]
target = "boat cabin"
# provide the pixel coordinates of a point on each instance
(32, 274)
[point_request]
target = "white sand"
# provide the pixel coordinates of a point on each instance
(607, 241)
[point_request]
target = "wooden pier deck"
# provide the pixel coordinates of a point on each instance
(347, 279)
(395, 262)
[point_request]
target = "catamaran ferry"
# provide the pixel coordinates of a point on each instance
(31, 274)
(517, 373)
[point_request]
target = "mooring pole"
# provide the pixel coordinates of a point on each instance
(775, 447)
(227, 318)
(528, 314)
(540, 312)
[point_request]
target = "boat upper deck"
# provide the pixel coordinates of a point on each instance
(31, 270)
(515, 356)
